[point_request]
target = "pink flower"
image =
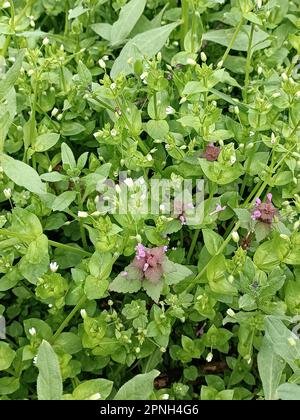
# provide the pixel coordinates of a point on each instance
(140, 251)
(180, 209)
(149, 262)
(211, 152)
(218, 209)
(264, 212)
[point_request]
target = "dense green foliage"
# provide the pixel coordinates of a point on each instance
(191, 89)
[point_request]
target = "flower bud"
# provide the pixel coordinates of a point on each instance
(235, 236)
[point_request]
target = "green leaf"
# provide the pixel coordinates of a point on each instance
(284, 342)
(8, 385)
(138, 388)
(49, 381)
(63, 200)
(157, 129)
(270, 367)
(7, 355)
(153, 289)
(67, 156)
(76, 12)
(224, 37)
(71, 128)
(289, 392)
(102, 29)
(89, 390)
(95, 288)
(212, 241)
(45, 142)
(22, 174)
(127, 284)
(12, 75)
(129, 15)
(148, 43)
(174, 273)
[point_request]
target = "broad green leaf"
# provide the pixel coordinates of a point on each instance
(157, 129)
(95, 287)
(224, 37)
(45, 142)
(76, 12)
(102, 29)
(93, 389)
(22, 174)
(174, 273)
(212, 241)
(285, 343)
(153, 290)
(270, 367)
(8, 385)
(63, 200)
(289, 392)
(7, 355)
(49, 381)
(129, 15)
(138, 388)
(148, 43)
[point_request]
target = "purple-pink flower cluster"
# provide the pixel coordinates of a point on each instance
(211, 152)
(264, 212)
(149, 262)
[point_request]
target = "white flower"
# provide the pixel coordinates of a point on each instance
(6, 5)
(162, 207)
(220, 64)
(53, 266)
(32, 331)
(276, 95)
(191, 62)
(96, 396)
(54, 112)
(203, 56)
(170, 110)
(82, 214)
(165, 396)
(230, 312)
(273, 138)
(34, 360)
(149, 157)
(105, 58)
(129, 182)
(284, 77)
(101, 63)
(144, 75)
(209, 357)
(235, 236)
(232, 159)
(7, 193)
(259, 3)
(113, 132)
(46, 41)
(113, 86)
(83, 313)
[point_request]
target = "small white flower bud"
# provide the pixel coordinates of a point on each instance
(101, 63)
(209, 357)
(203, 56)
(82, 214)
(235, 236)
(83, 313)
(32, 331)
(7, 193)
(53, 266)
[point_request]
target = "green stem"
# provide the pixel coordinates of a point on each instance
(68, 319)
(248, 62)
(69, 248)
(185, 21)
(155, 105)
(81, 222)
(237, 30)
(193, 244)
(12, 27)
